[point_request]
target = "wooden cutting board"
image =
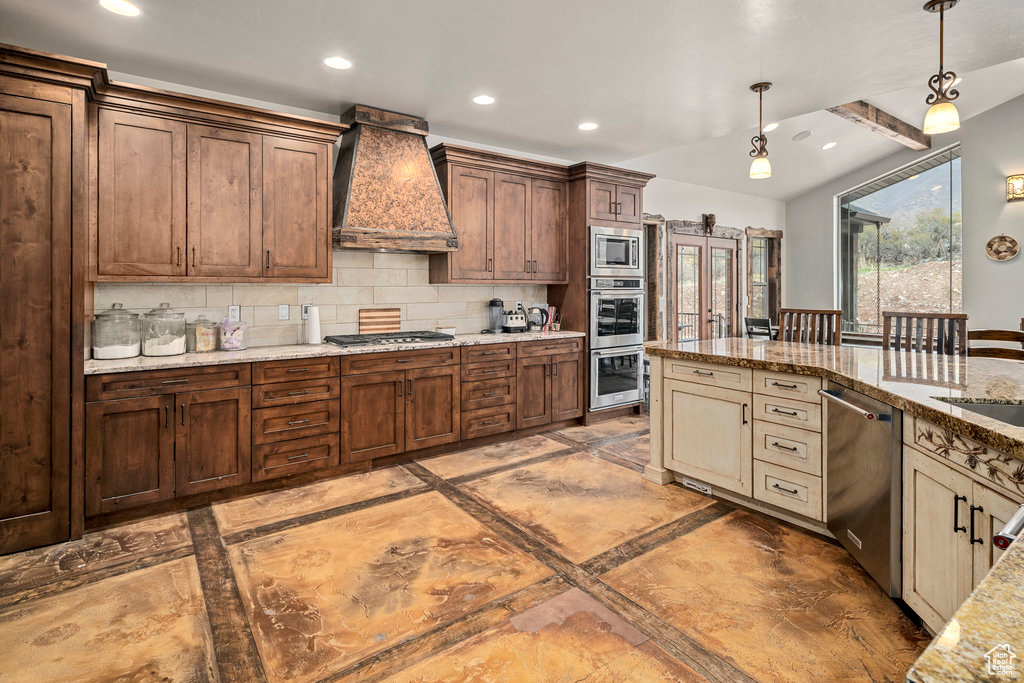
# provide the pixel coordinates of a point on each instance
(373, 320)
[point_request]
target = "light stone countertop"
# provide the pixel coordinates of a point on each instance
(267, 353)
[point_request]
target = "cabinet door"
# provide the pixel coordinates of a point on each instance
(533, 393)
(512, 245)
(35, 321)
(432, 410)
(566, 386)
(708, 434)
(140, 227)
(129, 454)
(549, 231)
(990, 512)
(372, 416)
(627, 206)
(212, 440)
(937, 559)
(602, 201)
(472, 207)
(225, 203)
(296, 232)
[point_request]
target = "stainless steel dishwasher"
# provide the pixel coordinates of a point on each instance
(864, 489)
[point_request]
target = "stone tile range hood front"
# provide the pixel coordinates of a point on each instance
(386, 192)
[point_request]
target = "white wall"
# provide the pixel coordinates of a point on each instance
(992, 148)
(676, 200)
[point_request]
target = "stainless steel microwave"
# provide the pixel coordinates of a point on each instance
(616, 252)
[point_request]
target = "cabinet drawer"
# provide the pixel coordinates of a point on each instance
(387, 361)
(550, 348)
(270, 425)
(785, 411)
(487, 352)
(488, 392)
(494, 420)
(299, 455)
(725, 376)
(291, 370)
(154, 382)
(488, 370)
(798, 492)
(797, 449)
(786, 385)
(290, 393)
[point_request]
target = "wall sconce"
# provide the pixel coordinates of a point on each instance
(1015, 188)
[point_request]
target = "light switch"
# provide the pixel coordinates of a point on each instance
(283, 312)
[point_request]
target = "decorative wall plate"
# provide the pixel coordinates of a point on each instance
(1002, 248)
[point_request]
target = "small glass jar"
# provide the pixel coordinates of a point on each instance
(116, 333)
(163, 332)
(232, 335)
(201, 336)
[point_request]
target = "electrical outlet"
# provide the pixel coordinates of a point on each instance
(305, 311)
(235, 313)
(283, 312)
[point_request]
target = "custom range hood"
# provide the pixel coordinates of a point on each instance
(386, 193)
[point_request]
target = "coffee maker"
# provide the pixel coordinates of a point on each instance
(495, 316)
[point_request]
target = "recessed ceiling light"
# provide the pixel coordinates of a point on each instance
(829, 145)
(483, 99)
(914, 177)
(122, 7)
(338, 63)
(587, 125)
(802, 135)
(771, 126)
(937, 187)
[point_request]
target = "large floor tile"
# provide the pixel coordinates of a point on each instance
(96, 550)
(571, 637)
(266, 508)
(327, 594)
(607, 429)
(779, 603)
(580, 505)
(636, 450)
(488, 457)
(145, 625)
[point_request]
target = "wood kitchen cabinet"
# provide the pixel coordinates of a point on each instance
(513, 244)
(471, 203)
(550, 389)
(613, 202)
(549, 247)
(432, 406)
(212, 440)
(566, 386)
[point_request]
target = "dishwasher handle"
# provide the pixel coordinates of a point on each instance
(846, 404)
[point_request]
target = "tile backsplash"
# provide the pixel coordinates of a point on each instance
(361, 280)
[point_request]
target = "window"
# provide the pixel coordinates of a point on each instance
(763, 279)
(900, 244)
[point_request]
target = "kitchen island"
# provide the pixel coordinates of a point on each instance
(743, 420)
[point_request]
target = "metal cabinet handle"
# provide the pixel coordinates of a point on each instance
(183, 418)
(846, 404)
(490, 265)
(298, 457)
(179, 256)
(292, 423)
(792, 449)
(490, 394)
(528, 267)
(791, 492)
(976, 508)
(268, 259)
(298, 369)
(297, 393)
(489, 353)
(956, 513)
(554, 367)
(702, 373)
(744, 413)
(404, 360)
(193, 257)
(175, 381)
(534, 267)
(784, 385)
(167, 417)
(790, 413)
(398, 387)
(489, 422)
(408, 389)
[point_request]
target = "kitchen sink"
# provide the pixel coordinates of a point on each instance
(1010, 412)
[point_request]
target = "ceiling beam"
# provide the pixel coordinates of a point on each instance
(883, 123)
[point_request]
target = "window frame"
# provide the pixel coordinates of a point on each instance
(773, 270)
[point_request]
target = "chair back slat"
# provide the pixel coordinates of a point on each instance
(996, 351)
(812, 326)
(944, 333)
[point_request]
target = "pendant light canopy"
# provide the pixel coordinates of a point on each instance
(760, 167)
(942, 117)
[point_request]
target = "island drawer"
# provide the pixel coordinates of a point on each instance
(153, 382)
(484, 352)
(488, 370)
(786, 411)
(484, 421)
(797, 449)
(281, 423)
(298, 455)
(488, 392)
(387, 361)
(712, 374)
(294, 369)
(798, 492)
(552, 347)
(786, 385)
(290, 393)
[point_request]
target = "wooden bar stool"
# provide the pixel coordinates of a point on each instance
(813, 326)
(996, 351)
(929, 332)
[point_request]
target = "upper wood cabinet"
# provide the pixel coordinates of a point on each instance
(185, 195)
(510, 216)
(613, 202)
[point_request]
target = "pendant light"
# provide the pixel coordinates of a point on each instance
(760, 167)
(942, 117)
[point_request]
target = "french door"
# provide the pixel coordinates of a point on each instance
(703, 291)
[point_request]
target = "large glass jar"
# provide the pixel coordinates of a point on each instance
(202, 335)
(115, 333)
(163, 332)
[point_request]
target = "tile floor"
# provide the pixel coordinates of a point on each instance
(546, 558)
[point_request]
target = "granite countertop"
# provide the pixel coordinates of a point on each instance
(991, 617)
(911, 381)
(265, 353)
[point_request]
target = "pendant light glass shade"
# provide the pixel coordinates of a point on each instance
(942, 117)
(760, 168)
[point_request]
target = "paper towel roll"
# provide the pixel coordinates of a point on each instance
(313, 326)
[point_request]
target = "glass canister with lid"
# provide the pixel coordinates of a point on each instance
(115, 333)
(163, 332)
(202, 335)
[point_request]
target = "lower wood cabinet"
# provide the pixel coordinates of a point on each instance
(212, 444)
(432, 407)
(550, 389)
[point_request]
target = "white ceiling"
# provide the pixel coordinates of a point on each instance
(655, 74)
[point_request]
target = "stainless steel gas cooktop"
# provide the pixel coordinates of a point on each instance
(387, 338)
